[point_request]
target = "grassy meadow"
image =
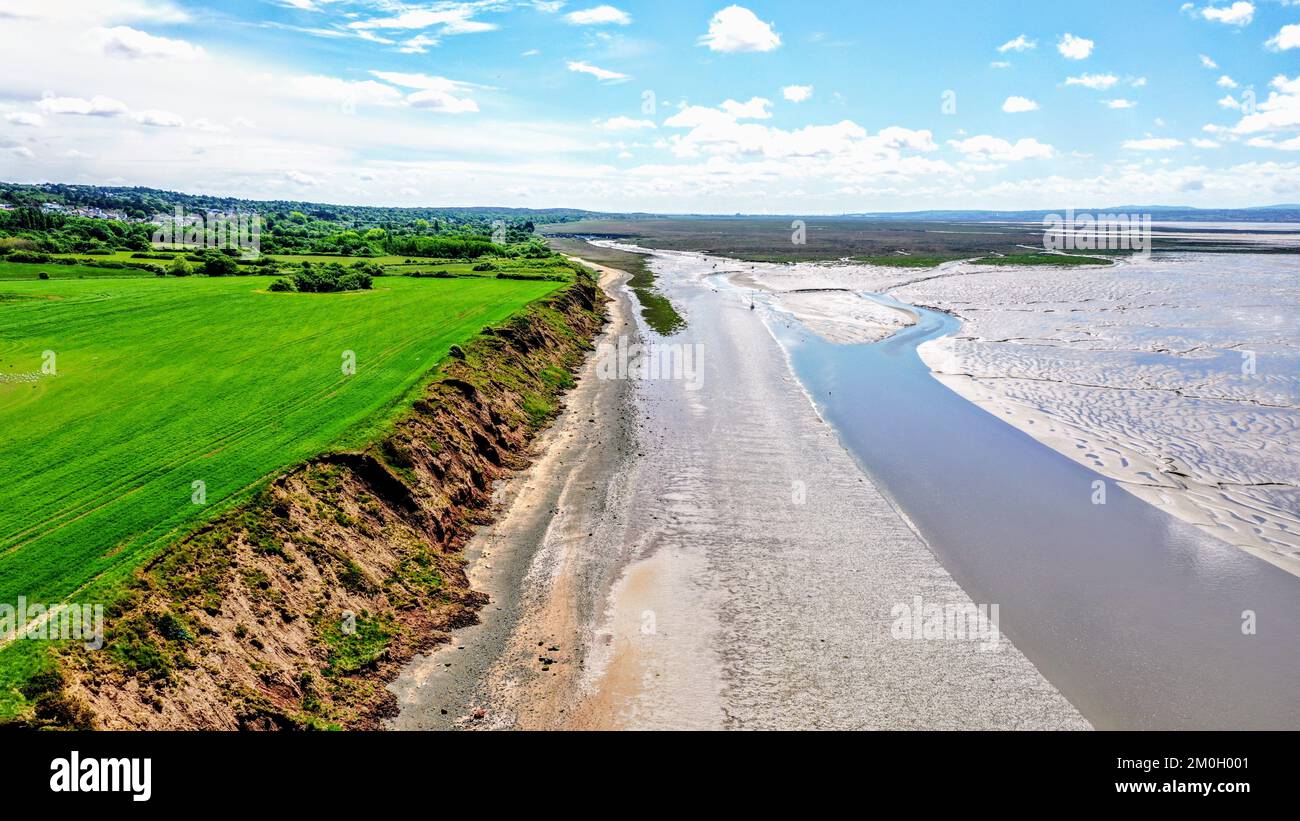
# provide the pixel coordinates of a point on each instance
(159, 383)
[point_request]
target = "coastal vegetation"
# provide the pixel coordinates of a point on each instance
(656, 309)
(290, 609)
(148, 394)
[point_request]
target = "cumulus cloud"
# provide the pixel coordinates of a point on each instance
(986, 148)
(1017, 105)
(1286, 38)
(1280, 112)
(756, 108)
(1227, 82)
(1074, 48)
(158, 119)
(598, 16)
(1207, 61)
(25, 118)
(124, 41)
(432, 93)
(1237, 14)
(1097, 82)
(797, 94)
(1119, 103)
(737, 29)
(727, 135)
(97, 106)
(1292, 144)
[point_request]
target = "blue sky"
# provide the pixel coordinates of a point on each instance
(676, 106)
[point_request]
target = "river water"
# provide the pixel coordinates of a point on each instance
(1139, 619)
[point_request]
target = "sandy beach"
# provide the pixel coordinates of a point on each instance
(703, 553)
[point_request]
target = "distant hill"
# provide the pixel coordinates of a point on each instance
(1267, 213)
(142, 203)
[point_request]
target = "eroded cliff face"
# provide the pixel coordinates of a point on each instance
(294, 610)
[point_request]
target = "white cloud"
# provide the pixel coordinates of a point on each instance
(1207, 62)
(1096, 82)
(1227, 82)
(1152, 144)
(1280, 112)
(1292, 144)
(736, 29)
(432, 93)
(598, 16)
(102, 12)
(1286, 38)
(455, 18)
(21, 151)
(124, 41)
(442, 102)
(1230, 102)
(419, 44)
(625, 124)
(158, 119)
(797, 94)
(729, 112)
(985, 148)
(342, 92)
(1018, 105)
(97, 106)
(755, 109)
(1237, 14)
(1119, 103)
(1021, 43)
(602, 74)
(1074, 48)
(999, 64)
(25, 118)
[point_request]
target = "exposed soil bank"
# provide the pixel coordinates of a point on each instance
(295, 610)
(547, 561)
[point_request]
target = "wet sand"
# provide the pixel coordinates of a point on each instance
(1177, 377)
(705, 554)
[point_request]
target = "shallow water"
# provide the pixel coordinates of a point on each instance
(1135, 616)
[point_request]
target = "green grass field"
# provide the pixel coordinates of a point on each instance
(161, 382)
(28, 270)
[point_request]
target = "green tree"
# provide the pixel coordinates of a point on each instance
(217, 264)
